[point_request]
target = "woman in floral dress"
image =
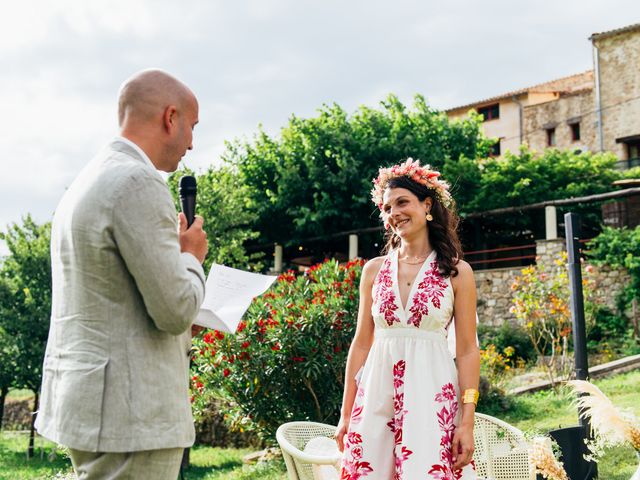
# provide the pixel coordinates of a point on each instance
(407, 411)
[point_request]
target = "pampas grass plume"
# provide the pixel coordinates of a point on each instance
(606, 420)
(543, 461)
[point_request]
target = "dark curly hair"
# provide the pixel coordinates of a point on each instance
(443, 229)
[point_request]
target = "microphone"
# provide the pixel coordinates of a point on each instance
(187, 193)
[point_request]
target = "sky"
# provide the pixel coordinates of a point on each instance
(257, 62)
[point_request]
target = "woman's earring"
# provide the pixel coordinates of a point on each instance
(429, 217)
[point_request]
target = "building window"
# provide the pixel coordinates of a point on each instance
(551, 137)
(495, 149)
(490, 112)
(632, 150)
(575, 131)
(633, 153)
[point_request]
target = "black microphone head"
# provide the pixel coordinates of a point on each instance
(187, 186)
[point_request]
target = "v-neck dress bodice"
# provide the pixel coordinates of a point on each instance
(429, 304)
(407, 402)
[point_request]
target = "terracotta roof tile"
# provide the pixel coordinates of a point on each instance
(569, 84)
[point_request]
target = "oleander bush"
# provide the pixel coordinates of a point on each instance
(287, 359)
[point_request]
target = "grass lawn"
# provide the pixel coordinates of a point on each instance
(539, 411)
(548, 410)
(207, 463)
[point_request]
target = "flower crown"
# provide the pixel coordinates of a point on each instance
(416, 172)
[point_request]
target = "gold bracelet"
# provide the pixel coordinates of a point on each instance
(470, 395)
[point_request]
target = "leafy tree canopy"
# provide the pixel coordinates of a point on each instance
(222, 200)
(527, 177)
(314, 178)
(25, 297)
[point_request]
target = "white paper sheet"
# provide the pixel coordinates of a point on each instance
(228, 294)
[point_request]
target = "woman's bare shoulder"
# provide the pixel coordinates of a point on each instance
(372, 267)
(464, 268)
(464, 276)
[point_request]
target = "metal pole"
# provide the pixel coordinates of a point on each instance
(572, 225)
(573, 232)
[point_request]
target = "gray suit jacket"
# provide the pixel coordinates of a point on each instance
(124, 296)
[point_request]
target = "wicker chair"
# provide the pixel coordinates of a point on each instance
(293, 438)
(500, 450)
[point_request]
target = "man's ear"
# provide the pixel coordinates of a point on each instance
(169, 118)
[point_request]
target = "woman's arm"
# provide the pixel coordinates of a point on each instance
(360, 346)
(467, 358)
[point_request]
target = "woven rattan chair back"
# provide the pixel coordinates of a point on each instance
(500, 450)
(293, 438)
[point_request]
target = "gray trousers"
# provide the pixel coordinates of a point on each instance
(161, 464)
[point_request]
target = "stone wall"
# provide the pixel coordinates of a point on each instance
(609, 283)
(495, 296)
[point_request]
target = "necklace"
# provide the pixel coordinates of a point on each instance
(420, 260)
(414, 263)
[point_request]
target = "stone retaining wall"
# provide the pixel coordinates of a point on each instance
(495, 296)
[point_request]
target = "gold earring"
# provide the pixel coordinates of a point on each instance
(429, 217)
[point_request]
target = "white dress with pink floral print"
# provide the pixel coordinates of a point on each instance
(406, 405)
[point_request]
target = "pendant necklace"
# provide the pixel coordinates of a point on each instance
(415, 263)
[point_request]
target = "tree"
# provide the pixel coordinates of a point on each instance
(315, 177)
(222, 200)
(25, 301)
(526, 178)
(7, 366)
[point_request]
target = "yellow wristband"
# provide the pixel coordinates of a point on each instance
(470, 395)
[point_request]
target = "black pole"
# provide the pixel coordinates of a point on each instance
(582, 469)
(572, 229)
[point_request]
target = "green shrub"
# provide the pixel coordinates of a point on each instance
(607, 331)
(507, 335)
(493, 399)
(616, 248)
(619, 248)
(286, 361)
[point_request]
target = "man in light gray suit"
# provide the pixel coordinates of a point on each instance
(127, 284)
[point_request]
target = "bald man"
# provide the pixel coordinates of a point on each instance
(127, 284)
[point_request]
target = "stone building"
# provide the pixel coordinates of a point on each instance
(597, 110)
(507, 117)
(617, 67)
(566, 122)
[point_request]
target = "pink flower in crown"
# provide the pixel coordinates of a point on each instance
(416, 172)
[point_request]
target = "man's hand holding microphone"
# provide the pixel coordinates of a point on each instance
(193, 239)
